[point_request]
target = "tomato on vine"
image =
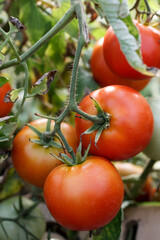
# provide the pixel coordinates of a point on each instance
(150, 49)
(32, 161)
(86, 196)
(104, 76)
(5, 107)
(129, 129)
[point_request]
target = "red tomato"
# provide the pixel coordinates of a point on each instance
(5, 108)
(86, 196)
(32, 161)
(116, 60)
(131, 123)
(104, 76)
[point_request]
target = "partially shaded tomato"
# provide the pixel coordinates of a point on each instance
(32, 161)
(116, 60)
(104, 76)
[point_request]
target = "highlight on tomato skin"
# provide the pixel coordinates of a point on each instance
(86, 196)
(117, 61)
(104, 76)
(5, 108)
(131, 123)
(32, 161)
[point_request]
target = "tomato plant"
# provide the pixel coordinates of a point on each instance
(32, 161)
(33, 221)
(152, 150)
(104, 76)
(82, 197)
(131, 123)
(5, 107)
(116, 60)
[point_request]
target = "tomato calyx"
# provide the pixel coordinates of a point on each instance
(79, 158)
(46, 138)
(102, 125)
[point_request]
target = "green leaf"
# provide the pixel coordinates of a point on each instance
(3, 80)
(8, 129)
(43, 84)
(111, 231)
(12, 95)
(11, 184)
(118, 15)
(36, 23)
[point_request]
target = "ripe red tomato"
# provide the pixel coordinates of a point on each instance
(131, 123)
(86, 196)
(104, 76)
(5, 107)
(32, 161)
(116, 60)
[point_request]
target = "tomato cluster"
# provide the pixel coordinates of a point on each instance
(89, 194)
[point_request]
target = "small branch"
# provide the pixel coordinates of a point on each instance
(68, 16)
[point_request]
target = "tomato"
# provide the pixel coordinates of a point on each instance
(153, 150)
(32, 161)
(131, 123)
(150, 48)
(104, 76)
(33, 222)
(86, 196)
(5, 107)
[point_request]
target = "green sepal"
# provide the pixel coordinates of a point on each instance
(97, 106)
(86, 153)
(51, 143)
(93, 128)
(98, 134)
(48, 127)
(64, 158)
(36, 131)
(67, 159)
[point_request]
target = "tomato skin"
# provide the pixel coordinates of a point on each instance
(152, 150)
(82, 197)
(150, 48)
(5, 107)
(33, 162)
(131, 123)
(104, 76)
(34, 222)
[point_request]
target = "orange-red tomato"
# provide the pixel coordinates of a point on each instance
(5, 108)
(116, 60)
(86, 196)
(104, 76)
(131, 123)
(32, 161)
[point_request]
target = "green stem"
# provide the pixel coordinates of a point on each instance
(25, 90)
(7, 36)
(68, 16)
(148, 7)
(138, 185)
